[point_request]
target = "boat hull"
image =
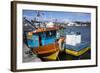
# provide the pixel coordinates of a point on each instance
(77, 53)
(49, 52)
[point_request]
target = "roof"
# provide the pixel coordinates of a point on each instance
(45, 29)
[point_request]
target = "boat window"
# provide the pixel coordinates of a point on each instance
(50, 34)
(54, 33)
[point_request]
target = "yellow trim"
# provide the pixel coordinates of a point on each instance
(53, 56)
(75, 53)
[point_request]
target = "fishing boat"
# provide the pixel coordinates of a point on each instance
(42, 37)
(75, 46)
(43, 42)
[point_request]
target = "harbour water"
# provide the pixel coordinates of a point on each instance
(84, 31)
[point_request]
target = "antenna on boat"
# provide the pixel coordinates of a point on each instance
(38, 17)
(31, 24)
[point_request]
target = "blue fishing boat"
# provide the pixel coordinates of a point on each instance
(77, 43)
(42, 41)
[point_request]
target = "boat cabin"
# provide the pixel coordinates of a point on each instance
(41, 37)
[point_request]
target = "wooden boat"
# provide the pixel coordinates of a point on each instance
(36, 39)
(47, 51)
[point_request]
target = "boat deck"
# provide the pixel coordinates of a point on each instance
(46, 49)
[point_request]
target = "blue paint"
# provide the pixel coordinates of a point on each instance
(78, 47)
(33, 42)
(85, 33)
(45, 39)
(48, 39)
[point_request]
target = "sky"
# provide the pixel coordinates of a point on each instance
(60, 16)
